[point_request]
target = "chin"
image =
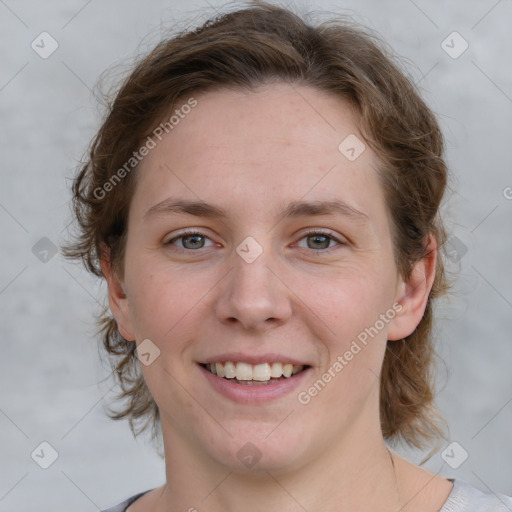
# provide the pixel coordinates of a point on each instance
(261, 450)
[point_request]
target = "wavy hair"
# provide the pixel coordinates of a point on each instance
(252, 46)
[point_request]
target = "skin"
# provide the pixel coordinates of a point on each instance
(252, 153)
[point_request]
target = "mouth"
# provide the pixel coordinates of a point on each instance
(247, 374)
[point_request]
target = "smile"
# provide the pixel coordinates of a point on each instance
(254, 374)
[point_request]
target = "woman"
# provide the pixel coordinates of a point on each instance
(262, 200)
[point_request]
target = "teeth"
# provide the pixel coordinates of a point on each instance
(277, 370)
(258, 372)
(220, 369)
(243, 371)
(297, 369)
(261, 372)
(229, 370)
(287, 370)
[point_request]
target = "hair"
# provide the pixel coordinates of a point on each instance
(250, 47)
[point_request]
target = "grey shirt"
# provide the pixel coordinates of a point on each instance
(463, 498)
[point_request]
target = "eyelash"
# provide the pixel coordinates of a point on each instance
(327, 234)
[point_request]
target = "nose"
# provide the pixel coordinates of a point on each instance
(253, 295)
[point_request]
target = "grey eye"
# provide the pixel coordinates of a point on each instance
(318, 241)
(190, 241)
(193, 241)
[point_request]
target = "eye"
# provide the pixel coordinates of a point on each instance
(190, 240)
(319, 240)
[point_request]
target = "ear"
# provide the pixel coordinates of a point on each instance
(116, 296)
(413, 294)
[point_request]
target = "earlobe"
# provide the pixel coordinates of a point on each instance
(413, 294)
(117, 298)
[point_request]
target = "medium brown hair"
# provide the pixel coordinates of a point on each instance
(253, 46)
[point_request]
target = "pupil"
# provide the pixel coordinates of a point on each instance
(195, 241)
(323, 240)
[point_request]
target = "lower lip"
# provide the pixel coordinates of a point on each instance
(255, 393)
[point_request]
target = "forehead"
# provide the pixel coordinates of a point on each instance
(276, 143)
(279, 117)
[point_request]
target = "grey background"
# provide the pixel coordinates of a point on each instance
(49, 364)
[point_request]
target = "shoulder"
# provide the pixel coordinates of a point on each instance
(121, 507)
(466, 498)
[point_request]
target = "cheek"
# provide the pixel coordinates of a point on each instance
(355, 336)
(161, 300)
(349, 303)
(165, 307)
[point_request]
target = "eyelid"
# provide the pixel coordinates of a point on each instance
(326, 232)
(185, 233)
(309, 232)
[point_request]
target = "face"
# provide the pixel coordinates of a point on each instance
(253, 240)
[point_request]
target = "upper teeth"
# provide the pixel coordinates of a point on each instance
(246, 371)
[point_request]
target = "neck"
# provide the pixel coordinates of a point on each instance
(357, 474)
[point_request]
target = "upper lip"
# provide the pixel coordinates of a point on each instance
(238, 357)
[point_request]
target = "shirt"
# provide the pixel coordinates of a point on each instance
(463, 498)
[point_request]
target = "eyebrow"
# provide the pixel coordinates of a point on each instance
(294, 209)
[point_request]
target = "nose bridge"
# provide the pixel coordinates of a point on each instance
(252, 294)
